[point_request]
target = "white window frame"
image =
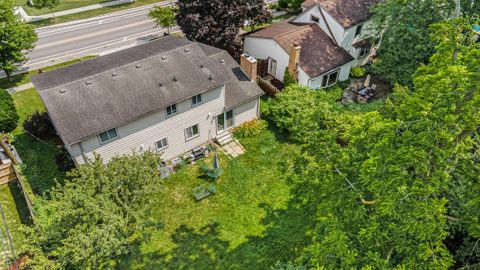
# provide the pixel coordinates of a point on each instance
(197, 100)
(326, 78)
(108, 135)
(163, 146)
(358, 30)
(173, 113)
(365, 51)
(193, 135)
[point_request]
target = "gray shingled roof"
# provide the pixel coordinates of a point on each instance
(99, 94)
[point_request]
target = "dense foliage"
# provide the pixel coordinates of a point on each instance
(8, 113)
(163, 16)
(218, 22)
(250, 128)
(394, 188)
(16, 37)
(49, 4)
(39, 125)
(100, 214)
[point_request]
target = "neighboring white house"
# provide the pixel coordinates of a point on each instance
(169, 95)
(320, 45)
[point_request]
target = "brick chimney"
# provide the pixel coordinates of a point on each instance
(249, 65)
(294, 60)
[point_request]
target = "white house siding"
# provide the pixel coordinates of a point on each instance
(144, 132)
(303, 78)
(262, 48)
(306, 17)
(246, 112)
(350, 39)
(316, 83)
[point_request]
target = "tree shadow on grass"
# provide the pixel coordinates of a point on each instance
(20, 203)
(283, 240)
(39, 168)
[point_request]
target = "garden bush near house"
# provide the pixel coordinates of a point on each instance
(250, 128)
(39, 125)
(64, 161)
(8, 113)
(357, 72)
(288, 78)
(283, 4)
(344, 84)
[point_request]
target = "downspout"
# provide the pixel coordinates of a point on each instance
(85, 160)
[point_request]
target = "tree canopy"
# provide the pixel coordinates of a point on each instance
(218, 22)
(97, 216)
(49, 4)
(8, 112)
(163, 17)
(16, 37)
(394, 188)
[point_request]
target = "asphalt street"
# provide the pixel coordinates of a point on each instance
(94, 36)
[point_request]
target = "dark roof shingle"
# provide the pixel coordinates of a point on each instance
(99, 94)
(347, 12)
(319, 53)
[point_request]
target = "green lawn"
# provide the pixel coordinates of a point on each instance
(250, 223)
(64, 5)
(39, 168)
(92, 13)
(16, 213)
(24, 78)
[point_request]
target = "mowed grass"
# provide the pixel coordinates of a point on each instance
(39, 168)
(250, 223)
(64, 5)
(24, 78)
(93, 13)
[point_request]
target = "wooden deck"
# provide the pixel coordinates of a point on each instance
(7, 173)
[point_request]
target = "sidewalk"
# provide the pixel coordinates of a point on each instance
(28, 18)
(20, 88)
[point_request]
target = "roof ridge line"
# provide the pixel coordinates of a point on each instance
(293, 30)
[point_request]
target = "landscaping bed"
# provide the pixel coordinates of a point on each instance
(64, 5)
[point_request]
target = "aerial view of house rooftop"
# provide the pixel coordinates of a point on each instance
(347, 12)
(105, 93)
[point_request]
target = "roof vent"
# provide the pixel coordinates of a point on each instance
(62, 91)
(187, 49)
(164, 58)
(88, 82)
(114, 74)
(202, 66)
(175, 78)
(138, 66)
(222, 61)
(210, 77)
(160, 84)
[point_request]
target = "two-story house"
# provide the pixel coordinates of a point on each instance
(169, 95)
(319, 46)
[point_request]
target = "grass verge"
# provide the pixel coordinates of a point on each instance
(64, 5)
(24, 78)
(92, 13)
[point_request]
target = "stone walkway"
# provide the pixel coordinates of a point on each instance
(20, 88)
(233, 149)
(27, 18)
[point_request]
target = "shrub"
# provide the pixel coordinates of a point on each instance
(333, 93)
(283, 3)
(357, 72)
(64, 161)
(250, 128)
(288, 79)
(343, 84)
(272, 6)
(39, 125)
(8, 113)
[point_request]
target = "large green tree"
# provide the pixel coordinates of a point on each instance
(8, 112)
(16, 38)
(48, 4)
(403, 28)
(163, 17)
(98, 215)
(218, 22)
(393, 187)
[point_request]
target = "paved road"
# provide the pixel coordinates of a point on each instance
(98, 35)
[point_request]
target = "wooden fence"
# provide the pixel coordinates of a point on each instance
(7, 174)
(268, 88)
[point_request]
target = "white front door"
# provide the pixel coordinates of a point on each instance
(224, 121)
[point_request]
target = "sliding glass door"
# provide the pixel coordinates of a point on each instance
(224, 121)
